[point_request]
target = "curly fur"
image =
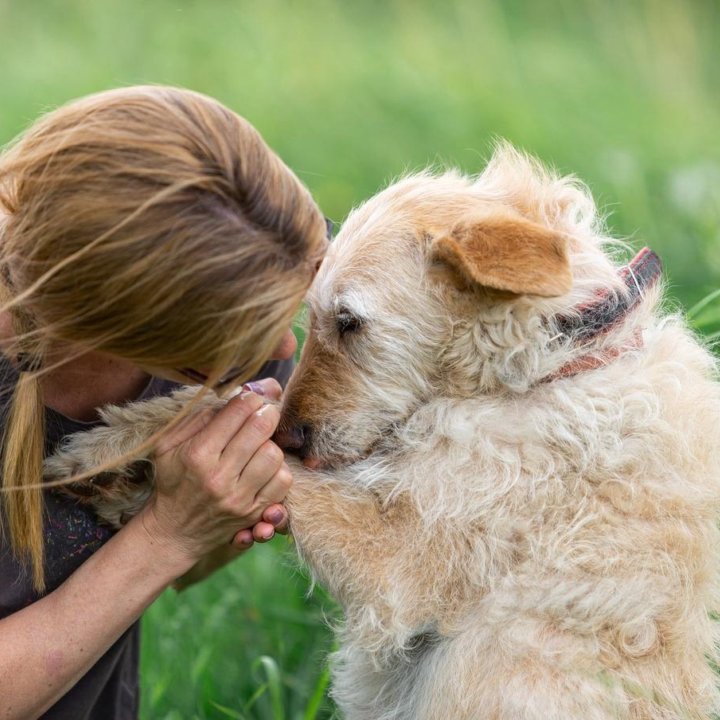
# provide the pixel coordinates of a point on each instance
(506, 543)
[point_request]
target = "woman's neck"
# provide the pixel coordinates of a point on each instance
(90, 381)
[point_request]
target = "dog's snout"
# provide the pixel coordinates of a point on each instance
(292, 436)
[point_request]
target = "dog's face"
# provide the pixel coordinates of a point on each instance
(431, 288)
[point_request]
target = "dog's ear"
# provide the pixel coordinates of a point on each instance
(507, 253)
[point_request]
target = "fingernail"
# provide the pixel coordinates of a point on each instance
(255, 387)
(268, 535)
(276, 516)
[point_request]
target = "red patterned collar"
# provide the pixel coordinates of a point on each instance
(594, 319)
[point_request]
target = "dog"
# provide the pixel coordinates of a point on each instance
(510, 476)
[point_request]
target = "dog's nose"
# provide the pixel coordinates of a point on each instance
(290, 437)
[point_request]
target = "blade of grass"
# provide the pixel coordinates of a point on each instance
(699, 306)
(200, 664)
(274, 684)
(318, 695)
(228, 712)
(707, 321)
(262, 689)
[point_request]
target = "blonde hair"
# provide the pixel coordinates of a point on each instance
(151, 223)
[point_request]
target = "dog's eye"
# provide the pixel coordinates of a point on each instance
(347, 322)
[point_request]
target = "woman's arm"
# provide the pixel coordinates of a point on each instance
(48, 646)
(217, 476)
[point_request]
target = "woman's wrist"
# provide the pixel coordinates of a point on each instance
(166, 554)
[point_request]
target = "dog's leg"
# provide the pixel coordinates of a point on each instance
(343, 533)
(118, 494)
(390, 576)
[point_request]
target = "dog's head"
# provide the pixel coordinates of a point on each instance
(440, 285)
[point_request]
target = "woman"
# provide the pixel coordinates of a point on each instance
(148, 236)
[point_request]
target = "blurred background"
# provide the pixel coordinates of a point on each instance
(623, 93)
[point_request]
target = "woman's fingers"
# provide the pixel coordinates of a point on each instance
(275, 490)
(270, 490)
(277, 516)
(262, 532)
(184, 430)
(260, 470)
(221, 472)
(251, 487)
(243, 539)
(252, 438)
(267, 387)
(226, 424)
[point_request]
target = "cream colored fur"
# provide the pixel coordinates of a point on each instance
(504, 545)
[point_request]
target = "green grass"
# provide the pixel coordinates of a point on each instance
(705, 316)
(249, 643)
(624, 93)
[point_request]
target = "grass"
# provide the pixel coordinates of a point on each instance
(705, 316)
(351, 94)
(248, 644)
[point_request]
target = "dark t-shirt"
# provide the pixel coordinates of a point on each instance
(109, 691)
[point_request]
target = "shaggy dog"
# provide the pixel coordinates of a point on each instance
(511, 479)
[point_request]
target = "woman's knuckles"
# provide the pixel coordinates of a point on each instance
(284, 478)
(243, 510)
(265, 420)
(272, 388)
(271, 455)
(194, 456)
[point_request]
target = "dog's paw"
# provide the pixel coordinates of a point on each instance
(116, 494)
(82, 452)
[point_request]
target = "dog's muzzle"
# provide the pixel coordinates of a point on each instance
(292, 437)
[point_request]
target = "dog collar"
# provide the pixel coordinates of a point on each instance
(609, 306)
(597, 317)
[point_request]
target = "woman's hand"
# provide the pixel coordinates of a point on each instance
(217, 473)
